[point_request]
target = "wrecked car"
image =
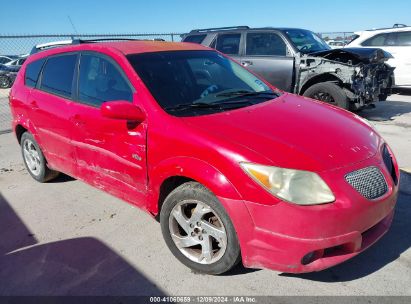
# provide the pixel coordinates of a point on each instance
(298, 61)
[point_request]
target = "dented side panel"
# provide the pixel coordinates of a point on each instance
(111, 154)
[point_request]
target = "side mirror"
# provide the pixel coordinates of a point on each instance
(122, 110)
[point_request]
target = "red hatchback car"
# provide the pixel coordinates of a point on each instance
(233, 168)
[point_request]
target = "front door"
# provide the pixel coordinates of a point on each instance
(110, 153)
(266, 54)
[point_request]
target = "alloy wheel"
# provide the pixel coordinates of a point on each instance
(32, 157)
(198, 232)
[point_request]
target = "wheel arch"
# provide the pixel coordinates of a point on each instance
(174, 172)
(324, 77)
(19, 130)
(24, 125)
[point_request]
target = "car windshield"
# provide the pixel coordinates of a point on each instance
(190, 83)
(306, 41)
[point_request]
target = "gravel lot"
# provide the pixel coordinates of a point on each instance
(4, 110)
(67, 238)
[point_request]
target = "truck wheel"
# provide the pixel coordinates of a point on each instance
(330, 93)
(198, 231)
(34, 159)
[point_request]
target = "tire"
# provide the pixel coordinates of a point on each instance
(5, 82)
(193, 217)
(383, 97)
(34, 159)
(330, 93)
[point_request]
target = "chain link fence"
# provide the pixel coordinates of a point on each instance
(344, 37)
(18, 46)
(21, 45)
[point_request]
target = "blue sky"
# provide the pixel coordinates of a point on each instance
(127, 16)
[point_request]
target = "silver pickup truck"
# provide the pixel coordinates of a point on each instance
(299, 61)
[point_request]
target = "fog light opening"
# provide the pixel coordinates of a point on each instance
(312, 256)
(308, 258)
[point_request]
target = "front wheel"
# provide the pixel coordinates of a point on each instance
(198, 231)
(383, 97)
(330, 93)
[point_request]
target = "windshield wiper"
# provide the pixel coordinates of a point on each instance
(199, 105)
(246, 93)
(221, 105)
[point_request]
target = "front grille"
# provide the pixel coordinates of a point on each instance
(369, 182)
(386, 156)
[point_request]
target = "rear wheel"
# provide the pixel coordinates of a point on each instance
(198, 231)
(34, 159)
(330, 93)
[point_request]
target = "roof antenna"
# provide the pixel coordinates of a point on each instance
(72, 24)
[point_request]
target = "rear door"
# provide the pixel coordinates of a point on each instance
(51, 108)
(400, 48)
(398, 44)
(266, 54)
(111, 154)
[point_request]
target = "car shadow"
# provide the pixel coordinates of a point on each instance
(388, 249)
(80, 266)
(62, 178)
(386, 110)
(239, 270)
(13, 233)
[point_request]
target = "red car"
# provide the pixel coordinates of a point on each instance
(233, 168)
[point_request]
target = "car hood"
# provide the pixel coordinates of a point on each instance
(355, 55)
(293, 132)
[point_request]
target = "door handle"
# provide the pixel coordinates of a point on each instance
(34, 105)
(246, 63)
(77, 120)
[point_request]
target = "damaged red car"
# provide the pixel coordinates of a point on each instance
(233, 168)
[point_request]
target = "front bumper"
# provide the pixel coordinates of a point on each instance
(286, 254)
(279, 236)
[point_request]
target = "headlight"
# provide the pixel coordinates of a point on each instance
(295, 186)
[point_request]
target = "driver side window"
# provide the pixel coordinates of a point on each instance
(100, 81)
(265, 44)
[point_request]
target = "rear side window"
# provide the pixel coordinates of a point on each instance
(228, 43)
(195, 38)
(32, 72)
(100, 80)
(58, 72)
(404, 38)
(377, 40)
(265, 44)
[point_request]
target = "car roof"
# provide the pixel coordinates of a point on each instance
(125, 47)
(240, 28)
(383, 30)
(135, 47)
